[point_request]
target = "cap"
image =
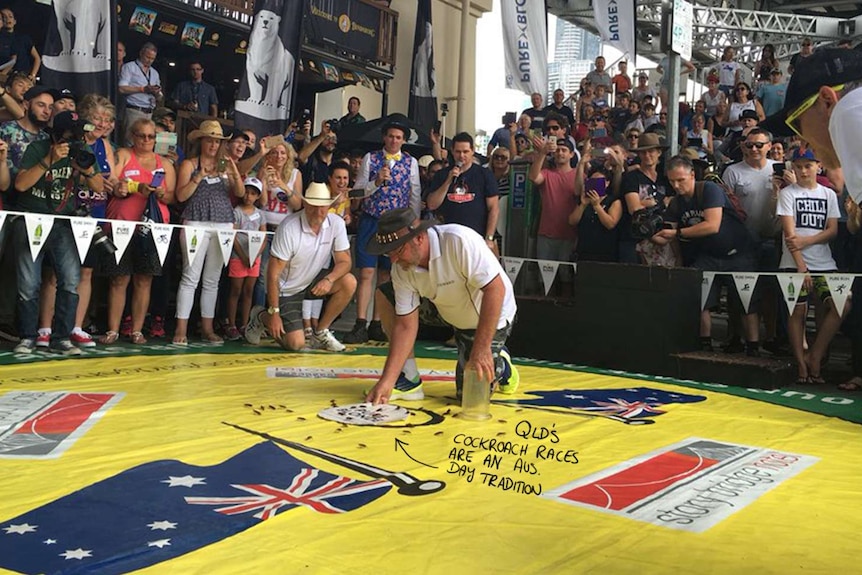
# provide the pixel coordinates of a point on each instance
(163, 112)
(825, 67)
(749, 114)
(425, 160)
(37, 91)
(254, 183)
(68, 120)
(237, 133)
(63, 94)
(804, 154)
(567, 143)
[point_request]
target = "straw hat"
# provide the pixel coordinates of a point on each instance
(318, 194)
(208, 129)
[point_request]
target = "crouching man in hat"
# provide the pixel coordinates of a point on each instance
(443, 273)
(298, 269)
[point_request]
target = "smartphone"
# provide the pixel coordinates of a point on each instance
(158, 178)
(599, 133)
(437, 125)
(509, 118)
(273, 141)
(778, 168)
(597, 185)
(356, 194)
(222, 165)
(552, 140)
(695, 142)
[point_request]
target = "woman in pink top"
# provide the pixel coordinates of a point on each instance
(136, 167)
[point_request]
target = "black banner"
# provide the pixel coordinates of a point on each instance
(348, 25)
(80, 46)
(268, 85)
(423, 84)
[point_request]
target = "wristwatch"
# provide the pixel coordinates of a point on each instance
(272, 310)
(489, 238)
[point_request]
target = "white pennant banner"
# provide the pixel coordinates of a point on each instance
(512, 266)
(225, 243)
(161, 237)
(745, 283)
(839, 286)
(38, 229)
(790, 284)
(705, 286)
(255, 244)
(82, 231)
(549, 272)
(122, 232)
(2, 220)
(193, 239)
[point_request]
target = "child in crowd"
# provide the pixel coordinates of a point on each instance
(247, 217)
(809, 220)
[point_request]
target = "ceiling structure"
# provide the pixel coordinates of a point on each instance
(745, 24)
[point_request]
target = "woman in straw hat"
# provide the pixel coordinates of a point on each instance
(206, 183)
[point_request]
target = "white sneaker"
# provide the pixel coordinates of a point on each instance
(325, 340)
(254, 330)
(310, 342)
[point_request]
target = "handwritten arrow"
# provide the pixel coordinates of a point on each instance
(402, 445)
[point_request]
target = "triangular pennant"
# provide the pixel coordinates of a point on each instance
(255, 244)
(193, 238)
(225, 242)
(2, 220)
(82, 231)
(512, 267)
(549, 272)
(745, 283)
(705, 286)
(38, 229)
(161, 235)
(122, 232)
(790, 285)
(839, 286)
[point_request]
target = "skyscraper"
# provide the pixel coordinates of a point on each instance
(575, 50)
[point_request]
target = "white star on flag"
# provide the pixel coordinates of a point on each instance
(20, 529)
(184, 481)
(160, 543)
(76, 553)
(49, 541)
(163, 525)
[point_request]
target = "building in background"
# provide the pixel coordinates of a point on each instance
(575, 51)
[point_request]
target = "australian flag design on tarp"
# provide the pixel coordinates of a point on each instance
(164, 509)
(633, 405)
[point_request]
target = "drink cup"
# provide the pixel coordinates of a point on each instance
(476, 397)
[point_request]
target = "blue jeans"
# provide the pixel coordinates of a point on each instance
(60, 244)
(259, 295)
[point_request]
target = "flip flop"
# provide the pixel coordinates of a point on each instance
(854, 384)
(816, 380)
(180, 341)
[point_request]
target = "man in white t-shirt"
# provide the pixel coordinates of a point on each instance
(442, 273)
(298, 269)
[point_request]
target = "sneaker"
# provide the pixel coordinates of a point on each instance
(733, 347)
(325, 340)
(82, 339)
(25, 346)
(43, 339)
(407, 390)
(126, 326)
(510, 378)
(254, 329)
(310, 342)
(232, 333)
(375, 331)
(64, 347)
(359, 333)
(776, 348)
(752, 349)
(157, 326)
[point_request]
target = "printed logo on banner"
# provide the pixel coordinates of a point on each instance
(44, 424)
(549, 272)
(193, 238)
(512, 267)
(161, 235)
(691, 485)
(255, 244)
(122, 232)
(82, 231)
(745, 284)
(168, 28)
(225, 244)
(791, 285)
(349, 373)
(38, 229)
(839, 286)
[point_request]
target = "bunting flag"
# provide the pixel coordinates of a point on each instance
(548, 268)
(161, 236)
(525, 45)
(269, 82)
(225, 244)
(256, 241)
(2, 220)
(422, 107)
(38, 229)
(745, 283)
(616, 22)
(122, 232)
(82, 231)
(839, 286)
(192, 238)
(790, 285)
(705, 287)
(80, 48)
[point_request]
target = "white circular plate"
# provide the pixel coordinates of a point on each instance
(365, 413)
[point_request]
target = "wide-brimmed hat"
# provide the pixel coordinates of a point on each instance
(649, 141)
(395, 228)
(399, 121)
(317, 194)
(208, 129)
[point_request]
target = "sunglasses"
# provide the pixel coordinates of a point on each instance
(554, 127)
(146, 136)
(758, 145)
(792, 120)
(742, 89)
(634, 136)
(663, 114)
(500, 157)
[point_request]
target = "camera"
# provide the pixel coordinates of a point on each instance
(647, 222)
(304, 117)
(80, 153)
(101, 240)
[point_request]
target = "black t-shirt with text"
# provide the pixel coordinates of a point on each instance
(464, 202)
(636, 182)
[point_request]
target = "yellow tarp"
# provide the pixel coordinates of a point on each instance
(173, 408)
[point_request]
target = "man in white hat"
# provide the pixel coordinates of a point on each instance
(299, 269)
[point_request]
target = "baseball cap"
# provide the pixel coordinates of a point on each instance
(254, 183)
(37, 91)
(567, 143)
(68, 120)
(163, 112)
(804, 154)
(746, 114)
(425, 160)
(825, 67)
(237, 133)
(63, 94)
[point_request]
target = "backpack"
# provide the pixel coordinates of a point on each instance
(738, 211)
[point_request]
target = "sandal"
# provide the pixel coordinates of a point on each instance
(816, 380)
(212, 338)
(854, 384)
(109, 338)
(138, 338)
(181, 341)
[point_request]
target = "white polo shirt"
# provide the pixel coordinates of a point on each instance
(305, 252)
(460, 265)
